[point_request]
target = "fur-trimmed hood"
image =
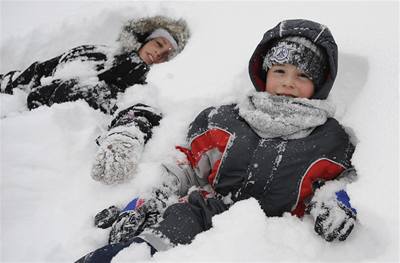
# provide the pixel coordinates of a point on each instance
(317, 33)
(134, 32)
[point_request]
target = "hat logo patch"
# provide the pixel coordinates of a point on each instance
(281, 54)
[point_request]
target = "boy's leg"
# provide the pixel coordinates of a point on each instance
(183, 221)
(105, 254)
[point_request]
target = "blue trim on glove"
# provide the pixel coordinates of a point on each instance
(342, 197)
(131, 205)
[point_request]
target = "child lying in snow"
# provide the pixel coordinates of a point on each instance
(97, 74)
(280, 145)
(142, 43)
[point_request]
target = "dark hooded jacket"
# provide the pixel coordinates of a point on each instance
(224, 152)
(112, 74)
(281, 174)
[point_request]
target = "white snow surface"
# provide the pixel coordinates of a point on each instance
(48, 199)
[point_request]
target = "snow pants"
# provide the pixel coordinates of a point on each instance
(181, 223)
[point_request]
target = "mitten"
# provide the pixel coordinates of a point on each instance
(118, 155)
(334, 217)
(137, 215)
(106, 217)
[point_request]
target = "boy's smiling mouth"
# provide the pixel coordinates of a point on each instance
(287, 95)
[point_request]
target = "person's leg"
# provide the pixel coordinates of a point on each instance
(183, 221)
(105, 254)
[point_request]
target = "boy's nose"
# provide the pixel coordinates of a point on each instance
(288, 82)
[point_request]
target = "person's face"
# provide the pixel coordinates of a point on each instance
(290, 81)
(156, 51)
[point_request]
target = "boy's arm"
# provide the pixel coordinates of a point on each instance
(122, 145)
(30, 77)
(203, 154)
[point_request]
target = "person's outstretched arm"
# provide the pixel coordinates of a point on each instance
(122, 145)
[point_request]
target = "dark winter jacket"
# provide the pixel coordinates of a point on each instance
(280, 174)
(112, 73)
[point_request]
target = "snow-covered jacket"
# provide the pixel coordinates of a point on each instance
(89, 72)
(226, 153)
(281, 174)
(94, 73)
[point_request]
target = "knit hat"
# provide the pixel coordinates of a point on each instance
(300, 52)
(161, 32)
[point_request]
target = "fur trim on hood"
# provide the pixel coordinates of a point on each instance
(135, 31)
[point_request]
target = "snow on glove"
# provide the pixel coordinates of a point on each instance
(334, 217)
(135, 217)
(106, 217)
(118, 155)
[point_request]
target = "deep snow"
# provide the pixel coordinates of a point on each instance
(48, 199)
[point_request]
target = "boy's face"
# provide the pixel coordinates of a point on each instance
(289, 80)
(156, 51)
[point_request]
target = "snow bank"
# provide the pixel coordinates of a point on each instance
(48, 199)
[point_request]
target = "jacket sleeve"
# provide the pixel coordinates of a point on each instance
(7, 79)
(205, 149)
(31, 76)
(126, 70)
(141, 116)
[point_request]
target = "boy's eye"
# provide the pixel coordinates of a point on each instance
(279, 71)
(305, 76)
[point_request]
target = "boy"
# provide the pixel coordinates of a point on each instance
(280, 145)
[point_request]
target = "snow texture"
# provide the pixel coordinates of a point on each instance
(49, 200)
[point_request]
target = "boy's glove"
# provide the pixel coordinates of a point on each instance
(106, 217)
(118, 155)
(136, 216)
(334, 217)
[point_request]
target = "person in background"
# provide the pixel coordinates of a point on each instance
(280, 145)
(97, 74)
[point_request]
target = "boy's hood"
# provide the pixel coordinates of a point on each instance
(317, 33)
